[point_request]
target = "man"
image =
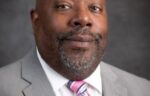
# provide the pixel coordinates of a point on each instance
(71, 36)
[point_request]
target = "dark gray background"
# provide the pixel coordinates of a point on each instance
(129, 33)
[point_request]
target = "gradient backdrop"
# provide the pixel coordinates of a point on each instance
(129, 33)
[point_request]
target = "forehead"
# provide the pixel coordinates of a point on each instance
(41, 4)
(77, 1)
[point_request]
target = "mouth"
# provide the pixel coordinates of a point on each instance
(79, 41)
(80, 38)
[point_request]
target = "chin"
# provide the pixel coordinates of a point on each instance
(79, 63)
(79, 66)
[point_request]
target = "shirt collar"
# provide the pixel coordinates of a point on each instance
(57, 80)
(95, 79)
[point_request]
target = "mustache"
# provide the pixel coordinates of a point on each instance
(79, 31)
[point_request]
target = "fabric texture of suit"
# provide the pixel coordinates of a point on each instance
(27, 78)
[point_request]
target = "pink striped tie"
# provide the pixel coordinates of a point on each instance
(78, 87)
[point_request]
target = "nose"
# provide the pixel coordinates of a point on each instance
(81, 19)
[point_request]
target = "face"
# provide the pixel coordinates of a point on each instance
(71, 35)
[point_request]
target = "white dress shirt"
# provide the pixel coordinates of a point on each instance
(58, 82)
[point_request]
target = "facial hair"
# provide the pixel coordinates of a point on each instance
(81, 63)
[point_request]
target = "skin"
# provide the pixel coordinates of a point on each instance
(71, 35)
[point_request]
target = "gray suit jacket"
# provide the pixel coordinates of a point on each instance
(27, 78)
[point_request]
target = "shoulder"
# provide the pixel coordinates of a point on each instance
(10, 70)
(129, 80)
(10, 79)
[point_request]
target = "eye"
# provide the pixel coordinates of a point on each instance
(63, 7)
(96, 8)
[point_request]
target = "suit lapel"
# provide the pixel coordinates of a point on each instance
(33, 73)
(111, 84)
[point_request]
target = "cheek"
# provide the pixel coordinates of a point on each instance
(54, 26)
(100, 25)
(58, 23)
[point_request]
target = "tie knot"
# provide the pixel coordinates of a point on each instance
(77, 87)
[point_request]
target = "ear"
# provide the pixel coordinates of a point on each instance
(35, 19)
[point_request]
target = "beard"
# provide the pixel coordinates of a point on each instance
(77, 64)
